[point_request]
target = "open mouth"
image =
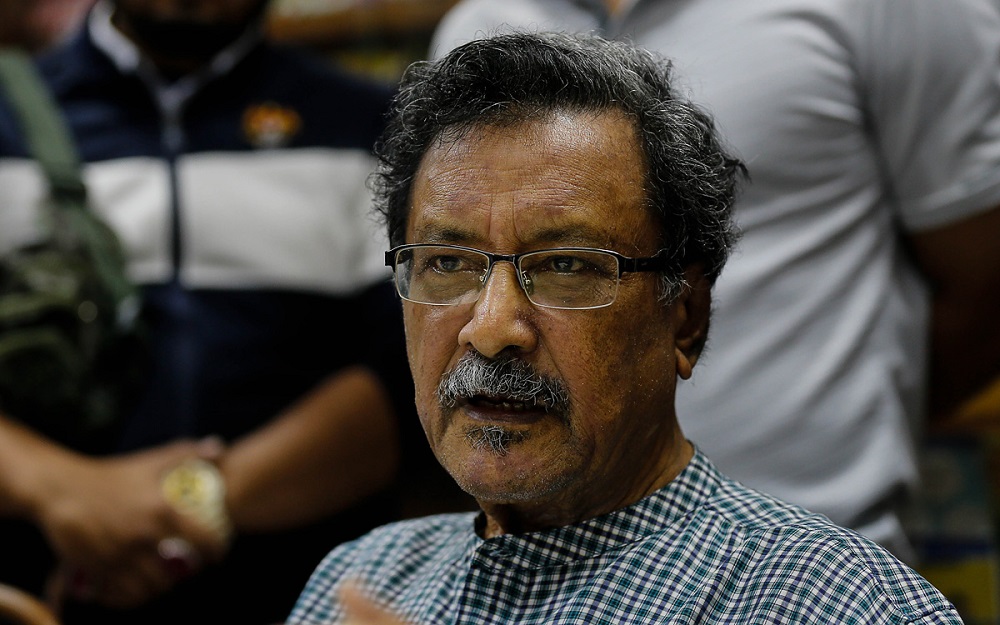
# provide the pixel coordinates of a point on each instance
(505, 404)
(503, 409)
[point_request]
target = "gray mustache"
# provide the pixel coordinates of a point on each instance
(507, 377)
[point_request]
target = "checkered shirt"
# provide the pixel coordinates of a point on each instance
(704, 549)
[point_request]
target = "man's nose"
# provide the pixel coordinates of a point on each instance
(501, 317)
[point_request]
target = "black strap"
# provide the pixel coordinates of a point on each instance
(44, 128)
(50, 143)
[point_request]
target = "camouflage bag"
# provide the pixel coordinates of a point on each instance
(71, 344)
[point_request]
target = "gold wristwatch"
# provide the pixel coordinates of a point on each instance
(196, 488)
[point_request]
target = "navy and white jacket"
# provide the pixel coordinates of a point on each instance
(240, 195)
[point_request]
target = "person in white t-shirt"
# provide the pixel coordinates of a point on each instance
(871, 131)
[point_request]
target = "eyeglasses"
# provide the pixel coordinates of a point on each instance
(567, 277)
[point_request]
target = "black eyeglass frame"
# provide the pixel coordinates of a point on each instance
(626, 264)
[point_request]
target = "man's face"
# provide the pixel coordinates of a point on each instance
(574, 179)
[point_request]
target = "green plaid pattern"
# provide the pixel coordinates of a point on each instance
(704, 549)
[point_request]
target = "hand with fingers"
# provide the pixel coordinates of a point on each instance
(362, 610)
(123, 531)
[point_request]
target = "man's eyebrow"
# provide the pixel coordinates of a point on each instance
(444, 234)
(576, 234)
(561, 236)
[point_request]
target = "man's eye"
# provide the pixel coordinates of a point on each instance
(565, 264)
(446, 264)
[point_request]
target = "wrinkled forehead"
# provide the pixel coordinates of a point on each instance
(567, 178)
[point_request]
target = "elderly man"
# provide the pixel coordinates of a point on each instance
(558, 215)
(864, 287)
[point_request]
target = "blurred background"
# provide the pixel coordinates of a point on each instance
(375, 37)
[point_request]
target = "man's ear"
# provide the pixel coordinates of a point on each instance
(691, 316)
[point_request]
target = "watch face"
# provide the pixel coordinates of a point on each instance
(192, 483)
(196, 487)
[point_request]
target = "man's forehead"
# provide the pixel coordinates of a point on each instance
(517, 221)
(575, 179)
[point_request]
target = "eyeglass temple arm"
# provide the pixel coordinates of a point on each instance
(651, 263)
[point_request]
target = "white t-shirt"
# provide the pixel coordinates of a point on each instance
(856, 118)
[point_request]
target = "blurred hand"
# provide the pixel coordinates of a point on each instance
(361, 610)
(120, 542)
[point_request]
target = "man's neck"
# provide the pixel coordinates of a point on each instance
(591, 500)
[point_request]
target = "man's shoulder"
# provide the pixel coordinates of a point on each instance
(75, 62)
(753, 508)
(418, 535)
(400, 548)
(754, 516)
(803, 557)
(724, 513)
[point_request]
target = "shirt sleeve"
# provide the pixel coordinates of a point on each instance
(930, 73)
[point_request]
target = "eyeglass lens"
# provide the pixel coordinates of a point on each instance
(552, 278)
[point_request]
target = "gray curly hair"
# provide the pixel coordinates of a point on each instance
(691, 181)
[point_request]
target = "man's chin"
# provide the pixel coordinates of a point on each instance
(516, 477)
(495, 439)
(491, 493)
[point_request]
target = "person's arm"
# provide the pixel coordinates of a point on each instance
(962, 263)
(939, 154)
(334, 447)
(103, 517)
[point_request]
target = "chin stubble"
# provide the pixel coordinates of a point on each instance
(494, 438)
